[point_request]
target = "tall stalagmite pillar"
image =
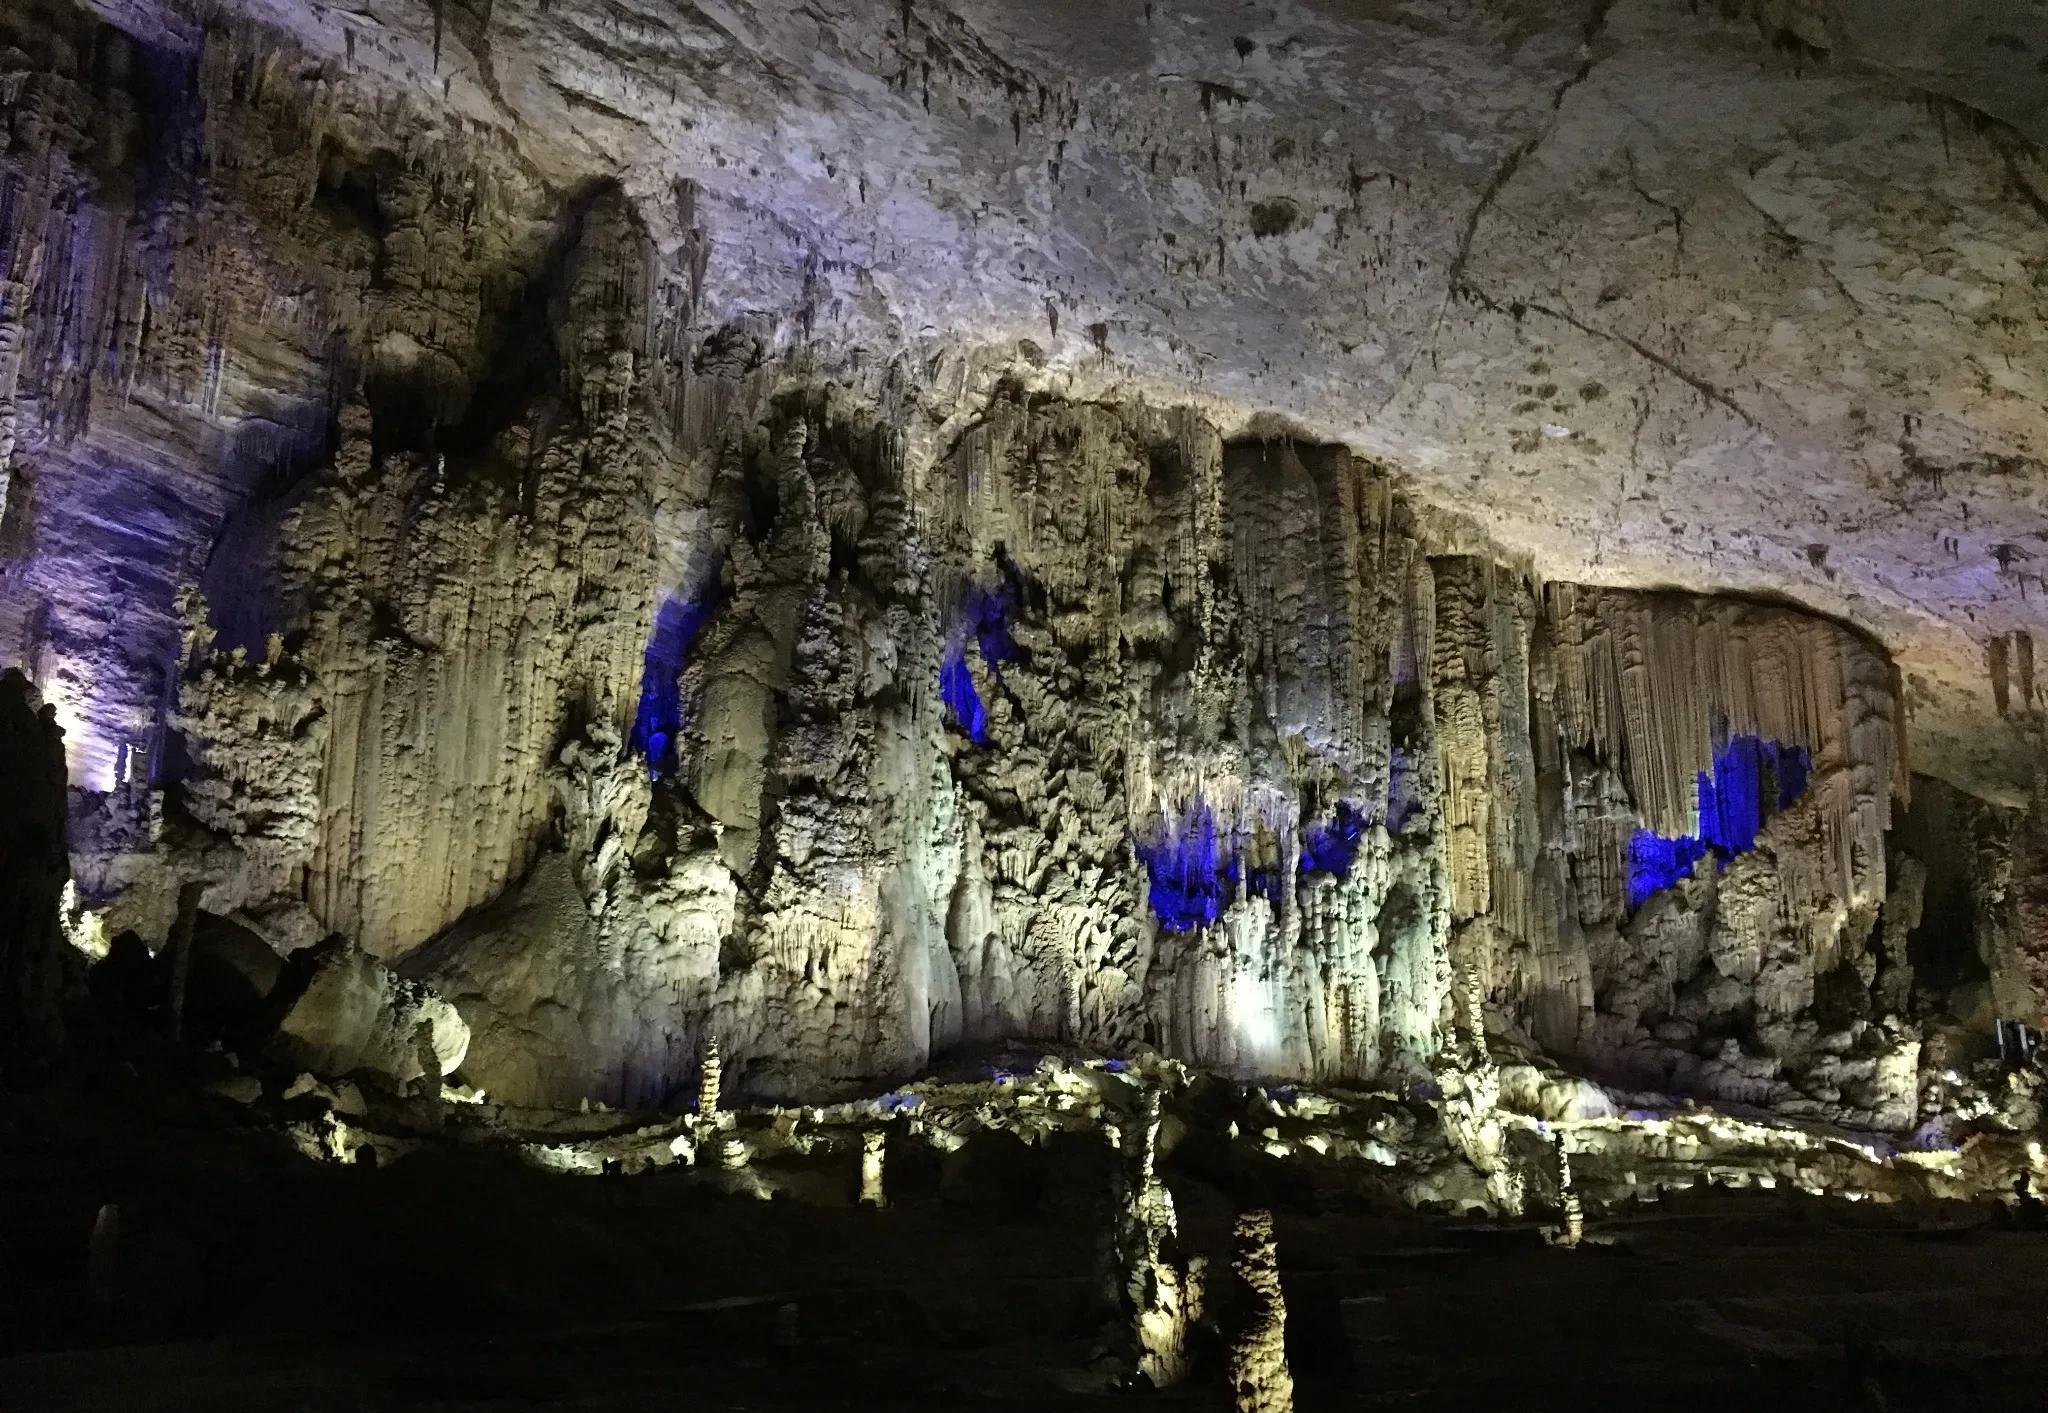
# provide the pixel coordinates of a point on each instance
(708, 1079)
(874, 1148)
(1259, 1378)
(1571, 1229)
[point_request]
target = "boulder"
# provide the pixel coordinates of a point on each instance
(352, 1015)
(233, 975)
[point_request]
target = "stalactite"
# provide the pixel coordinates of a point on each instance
(1655, 684)
(14, 294)
(1465, 691)
(1408, 772)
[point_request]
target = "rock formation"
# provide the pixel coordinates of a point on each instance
(1161, 1289)
(1126, 612)
(874, 1152)
(468, 491)
(33, 869)
(1259, 1377)
(1571, 1212)
(350, 1015)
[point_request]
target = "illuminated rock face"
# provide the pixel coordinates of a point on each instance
(1255, 769)
(648, 602)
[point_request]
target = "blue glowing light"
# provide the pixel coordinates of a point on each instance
(1332, 846)
(956, 685)
(1656, 863)
(988, 613)
(985, 616)
(1192, 868)
(660, 716)
(1732, 809)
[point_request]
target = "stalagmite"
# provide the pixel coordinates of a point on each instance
(873, 1151)
(1470, 1084)
(709, 1075)
(181, 954)
(1161, 1292)
(103, 1255)
(1571, 1228)
(1259, 1377)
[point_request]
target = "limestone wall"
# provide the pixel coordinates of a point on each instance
(634, 628)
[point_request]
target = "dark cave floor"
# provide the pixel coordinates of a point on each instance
(248, 1278)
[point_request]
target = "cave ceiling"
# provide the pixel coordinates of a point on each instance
(1736, 296)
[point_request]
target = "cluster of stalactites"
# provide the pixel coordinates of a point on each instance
(1197, 865)
(1752, 780)
(1659, 684)
(659, 718)
(1331, 594)
(981, 625)
(1077, 495)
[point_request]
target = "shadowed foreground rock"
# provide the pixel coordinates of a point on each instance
(33, 868)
